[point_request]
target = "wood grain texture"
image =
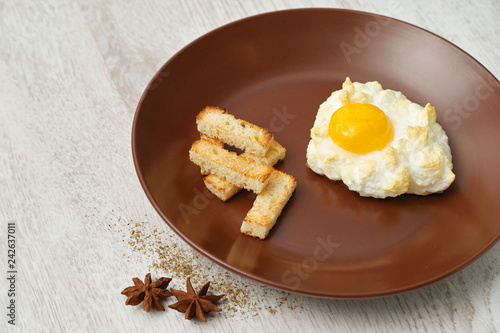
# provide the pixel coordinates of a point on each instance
(71, 74)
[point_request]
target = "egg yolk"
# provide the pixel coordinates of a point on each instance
(360, 128)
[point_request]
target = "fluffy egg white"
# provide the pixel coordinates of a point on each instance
(411, 155)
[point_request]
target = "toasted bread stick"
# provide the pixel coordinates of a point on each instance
(230, 166)
(225, 190)
(217, 123)
(268, 205)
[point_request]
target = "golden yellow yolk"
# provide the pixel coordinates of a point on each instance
(360, 128)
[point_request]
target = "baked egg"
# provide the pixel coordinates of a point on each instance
(379, 143)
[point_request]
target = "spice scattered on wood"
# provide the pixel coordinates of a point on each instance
(165, 254)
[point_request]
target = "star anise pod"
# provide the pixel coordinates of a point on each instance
(150, 294)
(195, 304)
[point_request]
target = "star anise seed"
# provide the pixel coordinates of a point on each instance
(195, 305)
(150, 294)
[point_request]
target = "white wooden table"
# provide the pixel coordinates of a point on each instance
(71, 75)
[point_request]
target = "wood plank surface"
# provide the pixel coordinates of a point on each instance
(71, 75)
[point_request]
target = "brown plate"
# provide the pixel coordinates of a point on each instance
(275, 70)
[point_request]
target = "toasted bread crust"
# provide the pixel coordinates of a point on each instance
(213, 140)
(228, 165)
(223, 189)
(217, 123)
(268, 205)
(275, 154)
